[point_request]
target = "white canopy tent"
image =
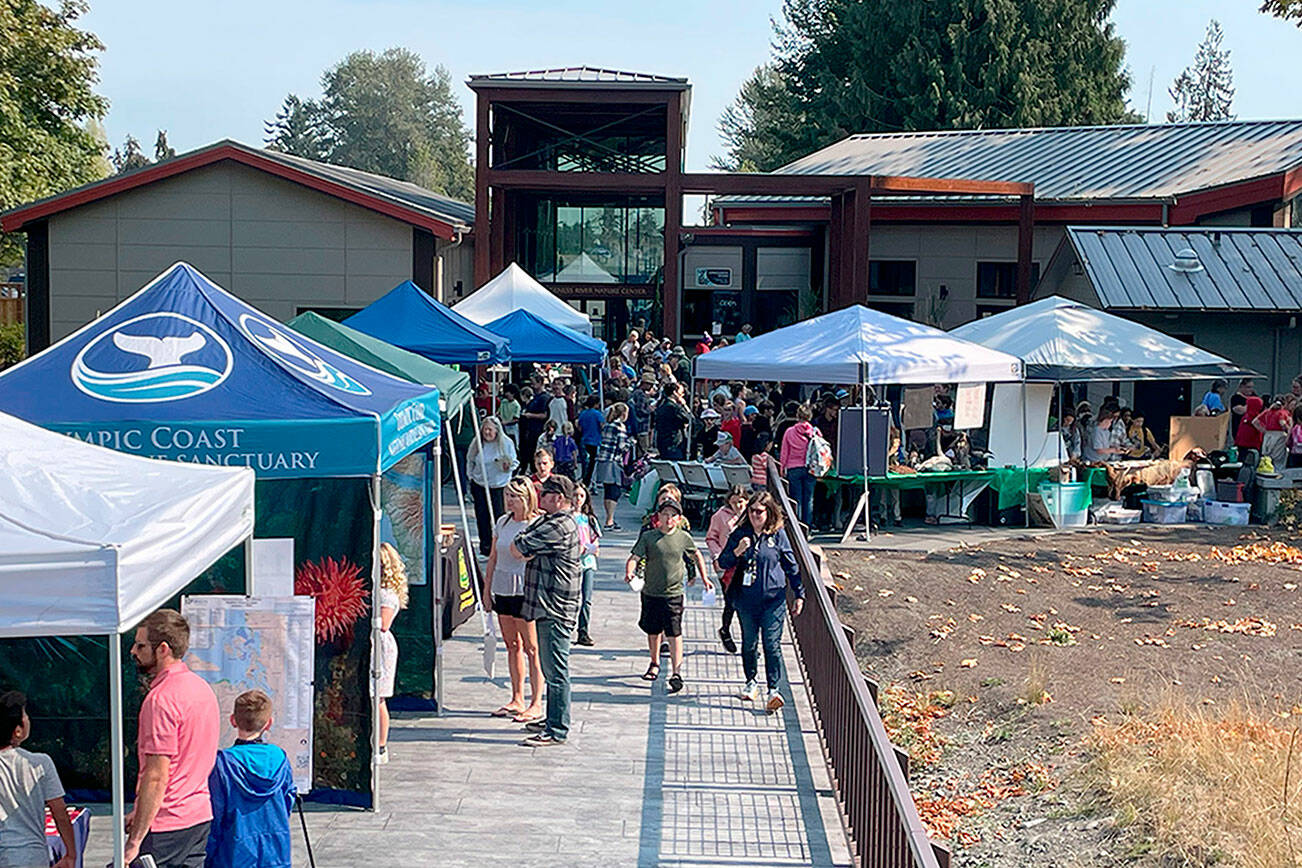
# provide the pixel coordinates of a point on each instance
(1066, 341)
(1061, 340)
(514, 289)
(582, 269)
(858, 345)
(93, 540)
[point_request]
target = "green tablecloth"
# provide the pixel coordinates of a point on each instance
(1009, 482)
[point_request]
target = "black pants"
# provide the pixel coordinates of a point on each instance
(183, 848)
(483, 521)
(589, 462)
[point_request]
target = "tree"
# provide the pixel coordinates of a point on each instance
(48, 70)
(162, 150)
(1289, 10)
(297, 129)
(1205, 90)
(853, 66)
(129, 156)
(383, 113)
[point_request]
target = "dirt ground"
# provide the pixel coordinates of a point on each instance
(1003, 653)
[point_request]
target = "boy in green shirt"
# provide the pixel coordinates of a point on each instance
(665, 545)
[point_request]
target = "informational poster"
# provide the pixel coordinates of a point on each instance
(273, 568)
(263, 643)
(970, 406)
(918, 408)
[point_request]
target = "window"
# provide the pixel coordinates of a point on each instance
(338, 314)
(999, 279)
(892, 276)
(616, 240)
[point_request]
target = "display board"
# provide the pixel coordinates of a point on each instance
(263, 643)
(918, 408)
(1208, 433)
(1008, 443)
(849, 441)
(970, 406)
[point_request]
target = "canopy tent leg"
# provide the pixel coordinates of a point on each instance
(1026, 470)
(863, 424)
(116, 750)
(436, 575)
(465, 530)
(249, 589)
(601, 386)
(377, 577)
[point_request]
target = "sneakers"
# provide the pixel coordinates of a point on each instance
(542, 739)
(383, 758)
(750, 692)
(775, 702)
(535, 726)
(584, 639)
(726, 638)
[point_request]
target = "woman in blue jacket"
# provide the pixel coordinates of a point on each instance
(765, 566)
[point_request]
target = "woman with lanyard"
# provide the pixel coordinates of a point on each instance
(609, 470)
(764, 566)
(489, 462)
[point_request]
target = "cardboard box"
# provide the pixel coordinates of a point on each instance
(1207, 433)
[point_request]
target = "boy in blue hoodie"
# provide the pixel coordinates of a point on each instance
(252, 791)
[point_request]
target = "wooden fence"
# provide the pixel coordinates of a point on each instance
(11, 311)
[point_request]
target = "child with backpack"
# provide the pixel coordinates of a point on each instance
(252, 791)
(566, 452)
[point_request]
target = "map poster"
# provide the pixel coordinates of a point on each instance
(263, 643)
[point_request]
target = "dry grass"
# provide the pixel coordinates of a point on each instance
(1201, 785)
(1035, 689)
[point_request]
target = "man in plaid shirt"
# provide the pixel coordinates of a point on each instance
(552, 593)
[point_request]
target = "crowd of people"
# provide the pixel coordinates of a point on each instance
(1267, 425)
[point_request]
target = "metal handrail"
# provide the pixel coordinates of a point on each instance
(871, 787)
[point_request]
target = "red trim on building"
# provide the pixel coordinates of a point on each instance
(886, 212)
(15, 220)
(1187, 209)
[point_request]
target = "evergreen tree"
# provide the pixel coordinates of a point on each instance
(162, 150)
(297, 129)
(384, 113)
(1205, 90)
(48, 70)
(129, 156)
(852, 66)
(1289, 10)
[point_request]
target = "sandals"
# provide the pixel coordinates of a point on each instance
(532, 718)
(652, 672)
(507, 711)
(675, 683)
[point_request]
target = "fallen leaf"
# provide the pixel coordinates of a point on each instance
(968, 662)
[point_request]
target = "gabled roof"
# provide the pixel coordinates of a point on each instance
(1238, 269)
(1140, 161)
(581, 76)
(401, 200)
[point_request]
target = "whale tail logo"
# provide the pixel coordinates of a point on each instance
(108, 367)
(161, 352)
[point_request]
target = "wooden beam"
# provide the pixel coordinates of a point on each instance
(604, 182)
(1025, 238)
(482, 216)
(835, 251)
(671, 297)
(858, 290)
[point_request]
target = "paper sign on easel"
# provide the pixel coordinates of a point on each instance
(970, 406)
(273, 568)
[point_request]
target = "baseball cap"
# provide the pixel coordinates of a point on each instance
(709, 413)
(670, 504)
(751, 409)
(724, 437)
(558, 484)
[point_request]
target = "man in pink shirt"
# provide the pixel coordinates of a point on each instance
(177, 747)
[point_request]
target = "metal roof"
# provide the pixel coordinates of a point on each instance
(1237, 269)
(1129, 162)
(413, 195)
(585, 76)
(400, 199)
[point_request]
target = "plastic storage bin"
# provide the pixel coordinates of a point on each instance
(1194, 512)
(1221, 512)
(1229, 491)
(1068, 503)
(1164, 513)
(1118, 514)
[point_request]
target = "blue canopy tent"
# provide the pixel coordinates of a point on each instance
(534, 339)
(407, 317)
(183, 370)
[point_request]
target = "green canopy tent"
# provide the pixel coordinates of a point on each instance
(419, 673)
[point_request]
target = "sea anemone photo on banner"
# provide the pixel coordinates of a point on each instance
(341, 596)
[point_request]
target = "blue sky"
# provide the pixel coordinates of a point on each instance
(207, 71)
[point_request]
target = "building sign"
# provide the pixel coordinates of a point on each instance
(714, 276)
(604, 290)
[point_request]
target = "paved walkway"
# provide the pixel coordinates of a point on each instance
(693, 779)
